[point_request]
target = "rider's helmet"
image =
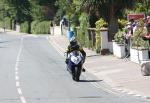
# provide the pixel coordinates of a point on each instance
(74, 43)
(73, 40)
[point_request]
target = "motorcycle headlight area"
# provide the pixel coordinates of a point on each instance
(76, 59)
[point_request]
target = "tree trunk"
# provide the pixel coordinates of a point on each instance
(113, 24)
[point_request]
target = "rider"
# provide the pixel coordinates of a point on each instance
(75, 46)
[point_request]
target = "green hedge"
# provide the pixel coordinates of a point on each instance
(7, 23)
(1, 24)
(42, 27)
(25, 27)
(34, 26)
(83, 30)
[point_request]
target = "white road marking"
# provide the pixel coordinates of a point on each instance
(104, 88)
(17, 84)
(16, 67)
(19, 91)
(17, 78)
(32, 35)
(22, 98)
(138, 95)
(16, 72)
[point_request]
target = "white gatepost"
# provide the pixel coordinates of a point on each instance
(104, 38)
(17, 27)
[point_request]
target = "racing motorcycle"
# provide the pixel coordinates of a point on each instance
(74, 64)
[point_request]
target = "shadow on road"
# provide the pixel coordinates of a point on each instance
(93, 55)
(3, 41)
(6, 41)
(90, 80)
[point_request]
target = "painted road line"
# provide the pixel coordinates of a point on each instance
(18, 87)
(17, 84)
(19, 91)
(23, 100)
(17, 78)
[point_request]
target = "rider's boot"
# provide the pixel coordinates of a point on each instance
(83, 70)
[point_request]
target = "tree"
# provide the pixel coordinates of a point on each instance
(28, 10)
(20, 9)
(5, 9)
(110, 10)
(36, 10)
(42, 9)
(70, 9)
(143, 6)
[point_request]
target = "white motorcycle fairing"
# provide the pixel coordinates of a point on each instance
(76, 57)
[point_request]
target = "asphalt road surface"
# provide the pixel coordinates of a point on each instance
(32, 71)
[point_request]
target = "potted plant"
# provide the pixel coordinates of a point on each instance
(139, 48)
(118, 44)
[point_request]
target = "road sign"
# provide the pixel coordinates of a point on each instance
(135, 16)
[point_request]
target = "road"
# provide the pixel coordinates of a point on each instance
(32, 71)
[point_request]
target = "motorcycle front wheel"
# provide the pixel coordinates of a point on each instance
(76, 73)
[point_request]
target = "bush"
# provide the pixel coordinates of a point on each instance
(7, 23)
(122, 23)
(101, 23)
(83, 30)
(40, 27)
(98, 41)
(25, 27)
(137, 40)
(119, 36)
(1, 24)
(43, 27)
(33, 27)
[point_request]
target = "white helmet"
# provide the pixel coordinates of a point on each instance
(72, 39)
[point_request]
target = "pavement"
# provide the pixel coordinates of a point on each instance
(7, 31)
(122, 75)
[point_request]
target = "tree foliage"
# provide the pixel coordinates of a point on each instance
(43, 9)
(5, 9)
(143, 6)
(20, 9)
(27, 10)
(110, 10)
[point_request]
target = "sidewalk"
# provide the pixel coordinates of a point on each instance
(121, 75)
(8, 31)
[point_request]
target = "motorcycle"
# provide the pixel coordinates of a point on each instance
(74, 64)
